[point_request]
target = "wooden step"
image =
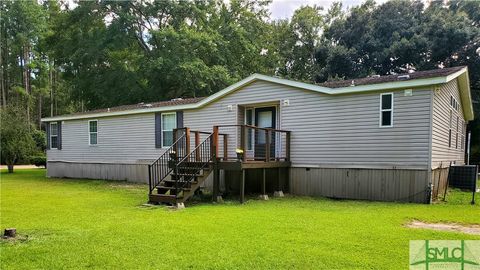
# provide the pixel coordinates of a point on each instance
(180, 182)
(184, 176)
(163, 198)
(188, 170)
(173, 188)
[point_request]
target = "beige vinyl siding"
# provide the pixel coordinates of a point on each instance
(326, 130)
(121, 139)
(442, 155)
(334, 130)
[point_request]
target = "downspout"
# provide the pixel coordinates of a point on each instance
(430, 147)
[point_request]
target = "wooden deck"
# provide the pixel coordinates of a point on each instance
(255, 148)
(231, 165)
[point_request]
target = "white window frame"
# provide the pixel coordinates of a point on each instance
(51, 135)
(89, 133)
(385, 110)
(250, 146)
(450, 125)
(456, 133)
(161, 127)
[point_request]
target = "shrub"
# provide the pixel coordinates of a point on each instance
(39, 161)
(15, 136)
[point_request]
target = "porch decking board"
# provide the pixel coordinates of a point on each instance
(238, 166)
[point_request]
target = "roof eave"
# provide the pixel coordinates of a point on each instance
(466, 96)
(117, 113)
(464, 88)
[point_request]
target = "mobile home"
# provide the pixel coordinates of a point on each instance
(388, 138)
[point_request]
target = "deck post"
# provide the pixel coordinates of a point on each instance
(242, 187)
(225, 147)
(243, 133)
(174, 135)
(279, 191)
(267, 146)
(287, 146)
(150, 178)
(215, 141)
(197, 143)
(264, 195)
(187, 141)
(216, 184)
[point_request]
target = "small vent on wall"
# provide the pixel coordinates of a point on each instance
(404, 77)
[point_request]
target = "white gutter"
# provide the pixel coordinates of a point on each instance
(301, 85)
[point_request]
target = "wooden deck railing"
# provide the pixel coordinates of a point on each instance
(254, 143)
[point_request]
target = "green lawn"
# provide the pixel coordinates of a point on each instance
(98, 224)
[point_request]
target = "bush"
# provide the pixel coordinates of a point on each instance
(39, 161)
(40, 139)
(16, 142)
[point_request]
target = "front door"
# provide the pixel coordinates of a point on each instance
(264, 118)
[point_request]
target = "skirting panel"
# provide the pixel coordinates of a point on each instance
(439, 182)
(104, 171)
(364, 184)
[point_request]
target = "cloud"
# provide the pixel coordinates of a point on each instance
(283, 9)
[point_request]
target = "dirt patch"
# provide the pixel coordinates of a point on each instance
(14, 240)
(4, 167)
(124, 186)
(449, 227)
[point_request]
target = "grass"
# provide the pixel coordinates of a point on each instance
(98, 224)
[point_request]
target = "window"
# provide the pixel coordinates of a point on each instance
(249, 121)
(450, 130)
(454, 103)
(92, 132)
(456, 136)
(386, 110)
(54, 135)
(169, 123)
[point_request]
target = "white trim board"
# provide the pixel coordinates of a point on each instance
(462, 76)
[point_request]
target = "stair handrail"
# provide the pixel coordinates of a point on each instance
(160, 168)
(200, 157)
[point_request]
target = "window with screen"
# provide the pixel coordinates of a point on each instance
(169, 123)
(93, 132)
(386, 110)
(54, 135)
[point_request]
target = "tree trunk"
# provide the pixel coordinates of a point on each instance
(26, 79)
(3, 64)
(10, 168)
(2, 81)
(10, 232)
(50, 81)
(2, 85)
(6, 71)
(39, 118)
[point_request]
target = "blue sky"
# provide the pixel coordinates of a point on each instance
(282, 9)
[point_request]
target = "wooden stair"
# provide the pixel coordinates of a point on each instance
(176, 175)
(187, 183)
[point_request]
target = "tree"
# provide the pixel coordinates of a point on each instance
(297, 41)
(400, 36)
(15, 136)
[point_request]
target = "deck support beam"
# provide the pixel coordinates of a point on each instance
(279, 191)
(216, 184)
(264, 195)
(242, 187)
